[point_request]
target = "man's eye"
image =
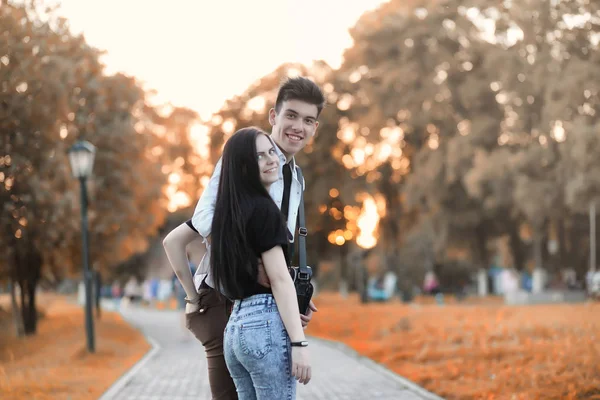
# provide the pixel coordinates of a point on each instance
(309, 122)
(291, 116)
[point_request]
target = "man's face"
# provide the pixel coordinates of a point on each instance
(293, 126)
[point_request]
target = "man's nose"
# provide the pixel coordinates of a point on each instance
(298, 125)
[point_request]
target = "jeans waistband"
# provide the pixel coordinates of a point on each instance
(256, 300)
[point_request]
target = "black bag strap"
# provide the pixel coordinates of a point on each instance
(302, 231)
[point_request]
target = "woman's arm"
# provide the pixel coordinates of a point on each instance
(175, 244)
(284, 292)
(287, 304)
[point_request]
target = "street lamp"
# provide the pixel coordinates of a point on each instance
(81, 157)
(592, 237)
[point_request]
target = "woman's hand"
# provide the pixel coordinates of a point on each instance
(191, 308)
(301, 364)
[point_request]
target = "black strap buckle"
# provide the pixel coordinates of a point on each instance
(302, 231)
(303, 276)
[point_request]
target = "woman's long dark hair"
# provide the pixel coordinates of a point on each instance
(233, 261)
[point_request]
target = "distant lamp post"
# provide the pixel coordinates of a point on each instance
(81, 157)
(592, 237)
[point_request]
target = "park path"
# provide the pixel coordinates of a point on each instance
(175, 368)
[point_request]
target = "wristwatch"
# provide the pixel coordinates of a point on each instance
(303, 343)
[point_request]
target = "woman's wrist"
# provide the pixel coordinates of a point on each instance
(298, 338)
(192, 300)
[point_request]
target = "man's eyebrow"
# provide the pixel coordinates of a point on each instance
(297, 113)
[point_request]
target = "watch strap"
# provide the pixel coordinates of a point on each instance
(302, 343)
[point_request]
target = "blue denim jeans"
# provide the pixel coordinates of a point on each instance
(258, 352)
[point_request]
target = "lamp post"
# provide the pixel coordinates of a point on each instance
(592, 237)
(81, 157)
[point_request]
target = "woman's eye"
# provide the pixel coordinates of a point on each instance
(272, 151)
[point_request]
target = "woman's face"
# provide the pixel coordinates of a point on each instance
(268, 161)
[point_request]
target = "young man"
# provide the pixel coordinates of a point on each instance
(294, 122)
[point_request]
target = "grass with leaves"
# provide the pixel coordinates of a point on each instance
(54, 363)
(475, 350)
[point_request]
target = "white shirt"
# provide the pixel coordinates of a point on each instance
(205, 209)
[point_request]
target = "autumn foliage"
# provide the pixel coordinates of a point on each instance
(474, 351)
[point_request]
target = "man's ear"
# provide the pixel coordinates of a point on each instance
(316, 129)
(272, 115)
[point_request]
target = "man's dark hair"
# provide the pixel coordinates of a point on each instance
(232, 258)
(300, 88)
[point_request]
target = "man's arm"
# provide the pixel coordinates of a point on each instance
(205, 209)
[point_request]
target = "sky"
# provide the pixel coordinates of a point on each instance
(198, 53)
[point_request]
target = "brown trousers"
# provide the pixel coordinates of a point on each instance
(208, 326)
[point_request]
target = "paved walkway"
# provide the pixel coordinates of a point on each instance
(175, 369)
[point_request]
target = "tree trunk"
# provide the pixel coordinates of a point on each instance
(389, 225)
(577, 245)
(562, 244)
(28, 275)
(28, 310)
(480, 246)
(24, 307)
(361, 281)
(516, 247)
(97, 293)
(343, 271)
(537, 250)
(32, 312)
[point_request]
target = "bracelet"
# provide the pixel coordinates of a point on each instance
(303, 343)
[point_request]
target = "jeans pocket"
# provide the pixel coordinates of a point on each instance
(255, 338)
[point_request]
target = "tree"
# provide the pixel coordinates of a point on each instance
(471, 96)
(419, 93)
(545, 87)
(54, 92)
(37, 190)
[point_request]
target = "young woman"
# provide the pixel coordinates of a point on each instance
(265, 347)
